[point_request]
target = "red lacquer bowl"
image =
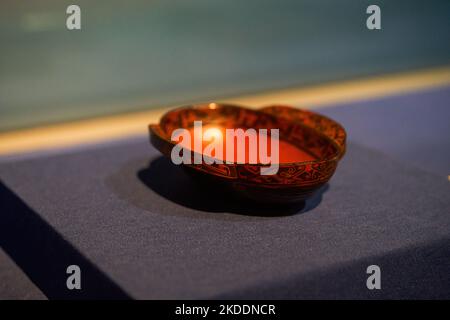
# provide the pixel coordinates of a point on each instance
(310, 147)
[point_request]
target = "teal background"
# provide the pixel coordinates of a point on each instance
(133, 55)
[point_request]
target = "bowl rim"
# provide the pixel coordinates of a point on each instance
(340, 150)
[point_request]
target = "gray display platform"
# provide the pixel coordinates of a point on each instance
(140, 228)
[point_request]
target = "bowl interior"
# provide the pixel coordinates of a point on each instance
(297, 143)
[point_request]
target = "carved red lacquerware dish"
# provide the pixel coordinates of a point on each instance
(315, 143)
